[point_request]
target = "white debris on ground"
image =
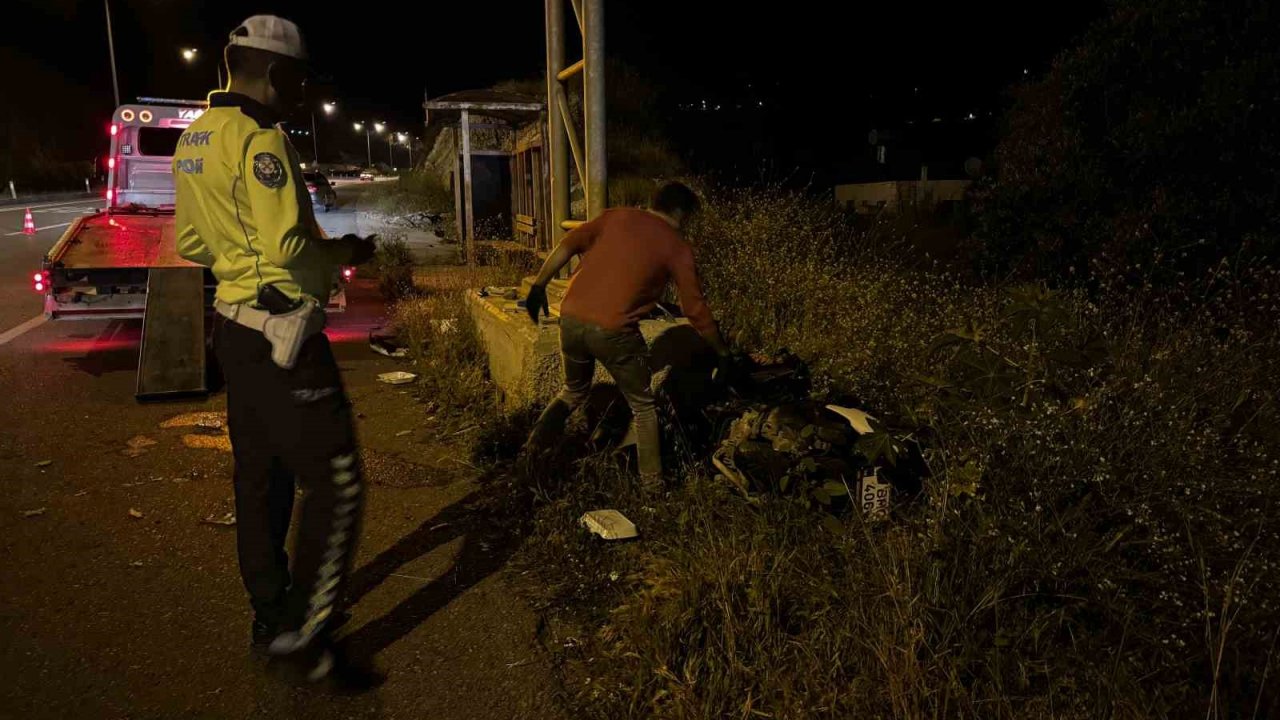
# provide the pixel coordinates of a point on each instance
(399, 377)
(226, 520)
(609, 524)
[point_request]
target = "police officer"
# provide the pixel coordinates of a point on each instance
(243, 210)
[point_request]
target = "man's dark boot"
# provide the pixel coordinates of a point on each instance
(325, 666)
(264, 632)
(550, 426)
(547, 432)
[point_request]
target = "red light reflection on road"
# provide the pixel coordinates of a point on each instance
(118, 336)
(347, 334)
(84, 346)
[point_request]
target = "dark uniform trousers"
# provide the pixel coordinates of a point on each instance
(289, 425)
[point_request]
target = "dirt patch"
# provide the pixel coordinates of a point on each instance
(386, 469)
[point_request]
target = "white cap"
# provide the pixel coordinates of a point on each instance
(270, 33)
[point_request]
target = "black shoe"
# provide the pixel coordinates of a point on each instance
(326, 667)
(263, 633)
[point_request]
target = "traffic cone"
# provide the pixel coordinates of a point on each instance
(28, 224)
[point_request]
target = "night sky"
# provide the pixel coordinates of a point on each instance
(825, 76)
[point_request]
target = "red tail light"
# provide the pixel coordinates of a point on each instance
(311, 187)
(348, 273)
(114, 128)
(40, 281)
(110, 194)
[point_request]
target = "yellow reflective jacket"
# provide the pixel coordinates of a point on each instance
(243, 209)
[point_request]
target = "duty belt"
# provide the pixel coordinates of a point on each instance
(241, 313)
(286, 332)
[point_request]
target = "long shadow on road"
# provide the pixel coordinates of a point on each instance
(484, 551)
(115, 349)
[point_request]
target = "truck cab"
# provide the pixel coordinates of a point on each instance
(143, 137)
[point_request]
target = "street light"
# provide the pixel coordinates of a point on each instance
(329, 107)
(408, 142)
(368, 146)
(391, 159)
(190, 54)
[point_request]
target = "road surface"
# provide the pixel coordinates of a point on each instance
(118, 599)
(20, 254)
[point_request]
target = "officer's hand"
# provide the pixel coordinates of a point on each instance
(537, 301)
(361, 249)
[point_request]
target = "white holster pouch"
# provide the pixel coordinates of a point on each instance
(286, 332)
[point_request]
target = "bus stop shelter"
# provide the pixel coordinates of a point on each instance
(505, 112)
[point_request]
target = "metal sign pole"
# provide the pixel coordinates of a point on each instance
(466, 182)
(590, 160)
(557, 153)
(597, 179)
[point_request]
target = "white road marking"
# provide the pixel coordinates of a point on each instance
(46, 227)
(31, 324)
(24, 208)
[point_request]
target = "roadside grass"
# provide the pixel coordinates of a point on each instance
(393, 266)
(1096, 536)
(434, 324)
(412, 192)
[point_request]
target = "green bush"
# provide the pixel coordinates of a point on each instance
(793, 272)
(393, 264)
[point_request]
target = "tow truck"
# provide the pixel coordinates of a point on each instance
(122, 262)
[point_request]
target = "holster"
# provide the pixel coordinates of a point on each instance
(286, 332)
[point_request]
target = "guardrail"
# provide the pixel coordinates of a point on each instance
(6, 200)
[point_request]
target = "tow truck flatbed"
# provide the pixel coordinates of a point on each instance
(99, 268)
(116, 240)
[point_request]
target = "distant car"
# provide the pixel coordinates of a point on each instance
(367, 175)
(322, 192)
